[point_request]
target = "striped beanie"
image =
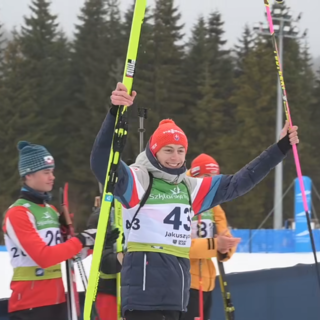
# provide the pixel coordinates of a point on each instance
(33, 158)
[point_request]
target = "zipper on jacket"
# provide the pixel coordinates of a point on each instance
(182, 286)
(32, 285)
(144, 272)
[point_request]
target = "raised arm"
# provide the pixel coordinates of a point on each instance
(211, 192)
(130, 185)
(102, 145)
(125, 190)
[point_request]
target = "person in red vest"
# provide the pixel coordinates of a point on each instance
(33, 239)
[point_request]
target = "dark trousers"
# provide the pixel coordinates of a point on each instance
(193, 305)
(152, 315)
(54, 312)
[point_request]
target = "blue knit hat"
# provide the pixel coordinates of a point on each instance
(33, 158)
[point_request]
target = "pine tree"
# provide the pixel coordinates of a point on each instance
(8, 173)
(2, 42)
(314, 138)
(91, 67)
(207, 116)
(255, 99)
(246, 43)
(16, 114)
(221, 63)
(159, 71)
(169, 92)
(116, 42)
(46, 66)
(143, 82)
(299, 80)
(96, 63)
(215, 91)
(196, 59)
(198, 80)
(115, 34)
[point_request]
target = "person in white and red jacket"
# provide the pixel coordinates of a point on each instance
(33, 239)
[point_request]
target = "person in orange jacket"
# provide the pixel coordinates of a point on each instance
(205, 245)
(33, 237)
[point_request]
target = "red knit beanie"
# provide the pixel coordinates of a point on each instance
(167, 133)
(204, 164)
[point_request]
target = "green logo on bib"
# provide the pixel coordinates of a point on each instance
(45, 217)
(207, 215)
(163, 192)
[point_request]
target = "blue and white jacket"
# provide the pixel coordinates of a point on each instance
(159, 281)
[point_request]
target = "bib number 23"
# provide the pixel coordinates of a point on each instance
(174, 218)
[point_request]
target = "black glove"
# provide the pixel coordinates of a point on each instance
(87, 238)
(112, 237)
(284, 144)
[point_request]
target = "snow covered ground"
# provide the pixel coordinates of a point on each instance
(240, 262)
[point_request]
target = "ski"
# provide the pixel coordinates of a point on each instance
(73, 303)
(119, 138)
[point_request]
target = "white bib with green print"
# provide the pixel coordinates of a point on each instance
(206, 225)
(46, 221)
(164, 223)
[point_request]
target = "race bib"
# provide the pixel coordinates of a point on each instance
(165, 219)
(162, 225)
(206, 228)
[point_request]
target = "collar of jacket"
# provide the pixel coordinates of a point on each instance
(34, 196)
(150, 162)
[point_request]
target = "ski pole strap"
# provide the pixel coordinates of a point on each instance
(36, 273)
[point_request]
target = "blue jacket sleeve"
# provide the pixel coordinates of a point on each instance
(101, 148)
(99, 162)
(233, 186)
(222, 188)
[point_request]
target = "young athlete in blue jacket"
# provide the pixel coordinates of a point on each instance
(155, 271)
